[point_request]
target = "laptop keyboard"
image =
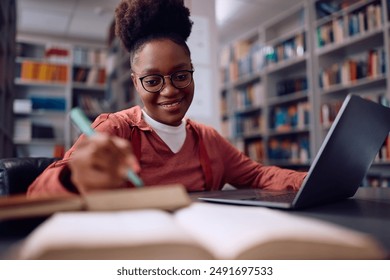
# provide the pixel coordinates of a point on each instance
(285, 197)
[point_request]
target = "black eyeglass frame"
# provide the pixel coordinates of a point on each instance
(163, 79)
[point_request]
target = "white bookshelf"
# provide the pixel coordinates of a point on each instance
(54, 77)
(348, 56)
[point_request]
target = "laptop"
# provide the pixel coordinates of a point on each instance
(351, 145)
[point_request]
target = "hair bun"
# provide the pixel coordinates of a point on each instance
(138, 19)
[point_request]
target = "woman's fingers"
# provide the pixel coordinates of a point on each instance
(101, 162)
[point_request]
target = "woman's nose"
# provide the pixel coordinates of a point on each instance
(168, 88)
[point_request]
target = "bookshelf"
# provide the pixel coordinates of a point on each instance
(50, 79)
(266, 97)
(89, 80)
(303, 63)
(7, 54)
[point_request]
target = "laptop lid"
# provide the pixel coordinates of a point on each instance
(351, 145)
(342, 161)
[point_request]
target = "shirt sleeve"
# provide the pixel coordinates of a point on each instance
(243, 172)
(55, 179)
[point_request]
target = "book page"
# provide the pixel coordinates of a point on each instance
(101, 232)
(228, 231)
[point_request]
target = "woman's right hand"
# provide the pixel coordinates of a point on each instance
(101, 162)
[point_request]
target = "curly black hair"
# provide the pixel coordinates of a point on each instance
(139, 21)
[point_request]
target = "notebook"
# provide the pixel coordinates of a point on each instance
(337, 171)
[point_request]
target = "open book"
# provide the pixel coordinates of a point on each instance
(199, 231)
(165, 197)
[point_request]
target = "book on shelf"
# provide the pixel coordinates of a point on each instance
(384, 153)
(255, 150)
(92, 76)
(198, 231)
(57, 54)
(58, 151)
(22, 130)
(91, 105)
(80, 74)
(226, 127)
(248, 125)
(22, 106)
(40, 131)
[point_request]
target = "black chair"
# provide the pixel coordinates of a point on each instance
(16, 174)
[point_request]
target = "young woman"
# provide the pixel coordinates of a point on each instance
(157, 141)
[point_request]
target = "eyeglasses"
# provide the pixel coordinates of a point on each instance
(155, 82)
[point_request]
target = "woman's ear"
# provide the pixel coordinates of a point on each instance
(135, 81)
(133, 78)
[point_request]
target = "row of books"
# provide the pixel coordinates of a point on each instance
(255, 150)
(26, 106)
(57, 54)
(384, 153)
(91, 105)
(368, 64)
(246, 57)
(53, 53)
(324, 8)
(291, 85)
(55, 150)
(288, 49)
(241, 59)
(87, 56)
(89, 75)
(339, 28)
(25, 130)
(376, 181)
(250, 96)
(249, 125)
(289, 117)
(43, 72)
(330, 109)
(292, 150)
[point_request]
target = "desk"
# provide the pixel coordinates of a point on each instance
(368, 211)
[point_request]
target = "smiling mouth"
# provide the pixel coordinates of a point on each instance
(169, 105)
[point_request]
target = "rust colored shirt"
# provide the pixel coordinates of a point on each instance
(206, 161)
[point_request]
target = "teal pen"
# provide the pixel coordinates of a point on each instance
(82, 122)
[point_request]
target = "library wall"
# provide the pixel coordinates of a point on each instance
(203, 45)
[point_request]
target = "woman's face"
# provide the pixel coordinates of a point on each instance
(163, 57)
